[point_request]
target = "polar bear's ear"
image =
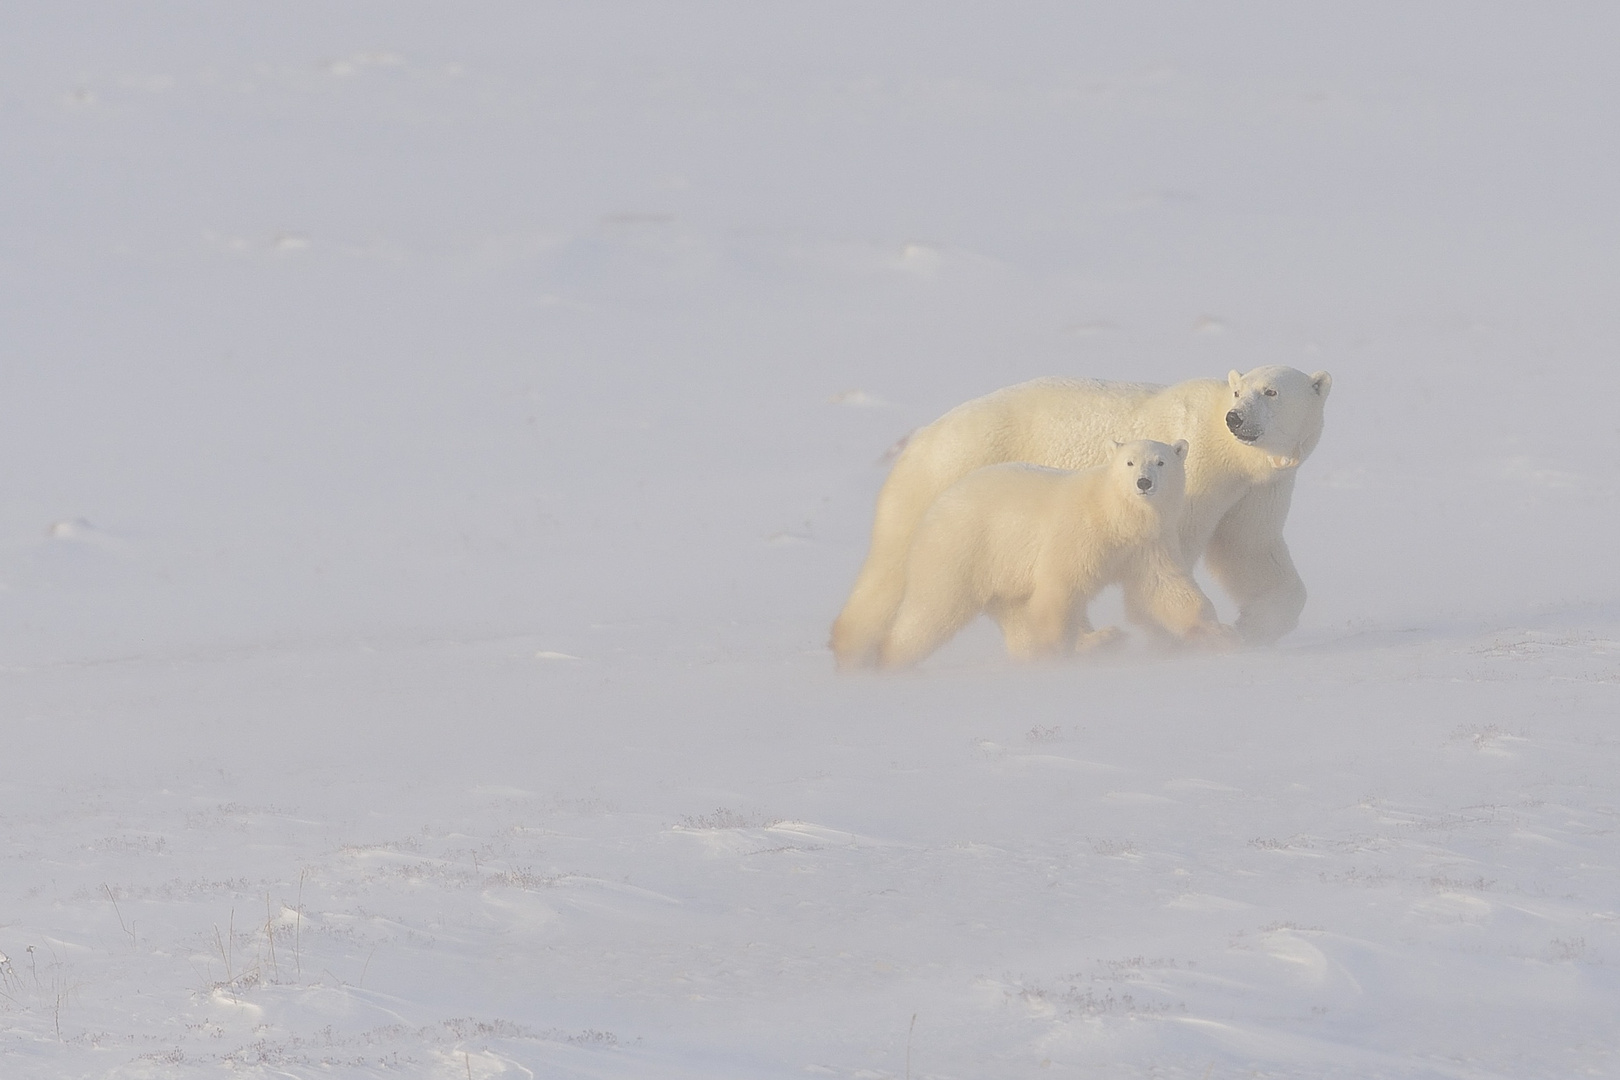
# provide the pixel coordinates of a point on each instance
(1117, 444)
(1180, 448)
(1321, 382)
(1234, 380)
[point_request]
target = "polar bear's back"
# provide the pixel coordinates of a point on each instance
(1063, 423)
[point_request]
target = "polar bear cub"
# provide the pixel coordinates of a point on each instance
(1031, 546)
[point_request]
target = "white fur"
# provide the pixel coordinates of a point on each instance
(1237, 492)
(1031, 546)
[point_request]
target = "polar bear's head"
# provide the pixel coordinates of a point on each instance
(1151, 470)
(1278, 410)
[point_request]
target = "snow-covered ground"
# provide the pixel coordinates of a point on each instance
(436, 441)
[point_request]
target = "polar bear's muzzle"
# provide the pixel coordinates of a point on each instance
(1241, 427)
(1144, 485)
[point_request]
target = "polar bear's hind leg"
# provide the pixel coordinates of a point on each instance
(862, 626)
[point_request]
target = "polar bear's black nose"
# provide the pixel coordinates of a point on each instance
(1234, 420)
(1143, 483)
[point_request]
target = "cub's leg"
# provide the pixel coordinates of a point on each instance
(1041, 627)
(927, 619)
(858, 632)
(1082, 637)
(1159, 593)
(941, 590)
(1096, 640)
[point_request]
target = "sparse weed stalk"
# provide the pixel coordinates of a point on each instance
(228, 945)
(270, 938)
(55, 992)
(129, 928)
(52, 994)
(223, 946)
(298, 925)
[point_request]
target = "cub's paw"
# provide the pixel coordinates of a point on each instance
(1109, 637)
(1215, 636)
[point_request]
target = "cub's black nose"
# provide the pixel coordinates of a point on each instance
(1234, 420)
(1144, 483)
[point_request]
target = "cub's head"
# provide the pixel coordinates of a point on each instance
(1278, 410)
(1151, 470)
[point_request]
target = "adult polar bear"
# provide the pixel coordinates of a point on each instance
(1246, 438)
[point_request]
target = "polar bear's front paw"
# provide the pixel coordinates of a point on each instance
(1109, 637)
(1214, 635)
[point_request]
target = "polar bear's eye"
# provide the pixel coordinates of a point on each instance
(1130, 463)
(1158, 463)
(1271, 393)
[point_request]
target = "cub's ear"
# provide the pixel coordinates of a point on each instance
(1180, 448)
(1117, 443)
(1234, 379)
(1321, 382)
